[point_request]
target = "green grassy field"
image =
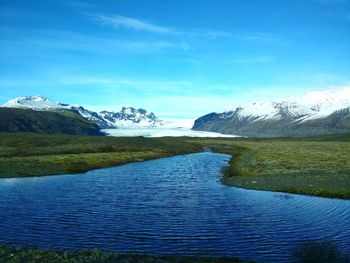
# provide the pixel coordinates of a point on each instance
(26, 154)
(313, 166)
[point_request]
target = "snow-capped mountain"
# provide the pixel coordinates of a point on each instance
(268, 110)
(128, 117)
(92, 116)
(283, 118)
(33, 102)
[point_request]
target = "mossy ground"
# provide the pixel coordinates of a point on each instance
(24, 154)
(314, 166)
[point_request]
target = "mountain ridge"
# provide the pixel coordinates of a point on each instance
(128, 117)
(281, 118)
(58, 121)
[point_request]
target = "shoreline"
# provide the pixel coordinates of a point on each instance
(228, 184)
(309, 167)
(120, 160)
(281, 165)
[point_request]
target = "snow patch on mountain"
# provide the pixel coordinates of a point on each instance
(326, 102)
(314, 105)
(33, 102)
(316, 113)
(269, 110)
(130, 117)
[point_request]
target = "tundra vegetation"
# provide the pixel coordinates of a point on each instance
(317, 166)
(27, 154)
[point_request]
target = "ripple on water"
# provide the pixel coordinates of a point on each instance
(169, 206)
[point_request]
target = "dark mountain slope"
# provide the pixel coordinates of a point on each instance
(45, 121)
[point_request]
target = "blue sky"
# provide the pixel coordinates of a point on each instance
(182, 58)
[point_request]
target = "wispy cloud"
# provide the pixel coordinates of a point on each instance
(266, 38)
(131, 23)
(206, 33)
(253, 60)
(112, 81)
(16, 43)
(118, 21)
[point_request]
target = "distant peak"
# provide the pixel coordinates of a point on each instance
(33, 102)
(37, 97)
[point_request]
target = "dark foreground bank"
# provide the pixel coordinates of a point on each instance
(322, 252)
(12, 254)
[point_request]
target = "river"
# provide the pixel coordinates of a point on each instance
(173, 205)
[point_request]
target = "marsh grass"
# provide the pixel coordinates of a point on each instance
(25, 154)
(314, 166)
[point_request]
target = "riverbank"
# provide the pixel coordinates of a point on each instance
(318, 166)
(26, 154)
(12, 254)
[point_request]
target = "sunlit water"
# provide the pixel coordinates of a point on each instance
(168, 206)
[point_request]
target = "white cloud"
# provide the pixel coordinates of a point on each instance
(212, 34)
(335, 94)
(125, 22)
(266, 38)
(130, 23)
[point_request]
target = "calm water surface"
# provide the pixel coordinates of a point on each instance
(169, 206)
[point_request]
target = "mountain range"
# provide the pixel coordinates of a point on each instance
(326, 115)
(312, 115)
(128, 117)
